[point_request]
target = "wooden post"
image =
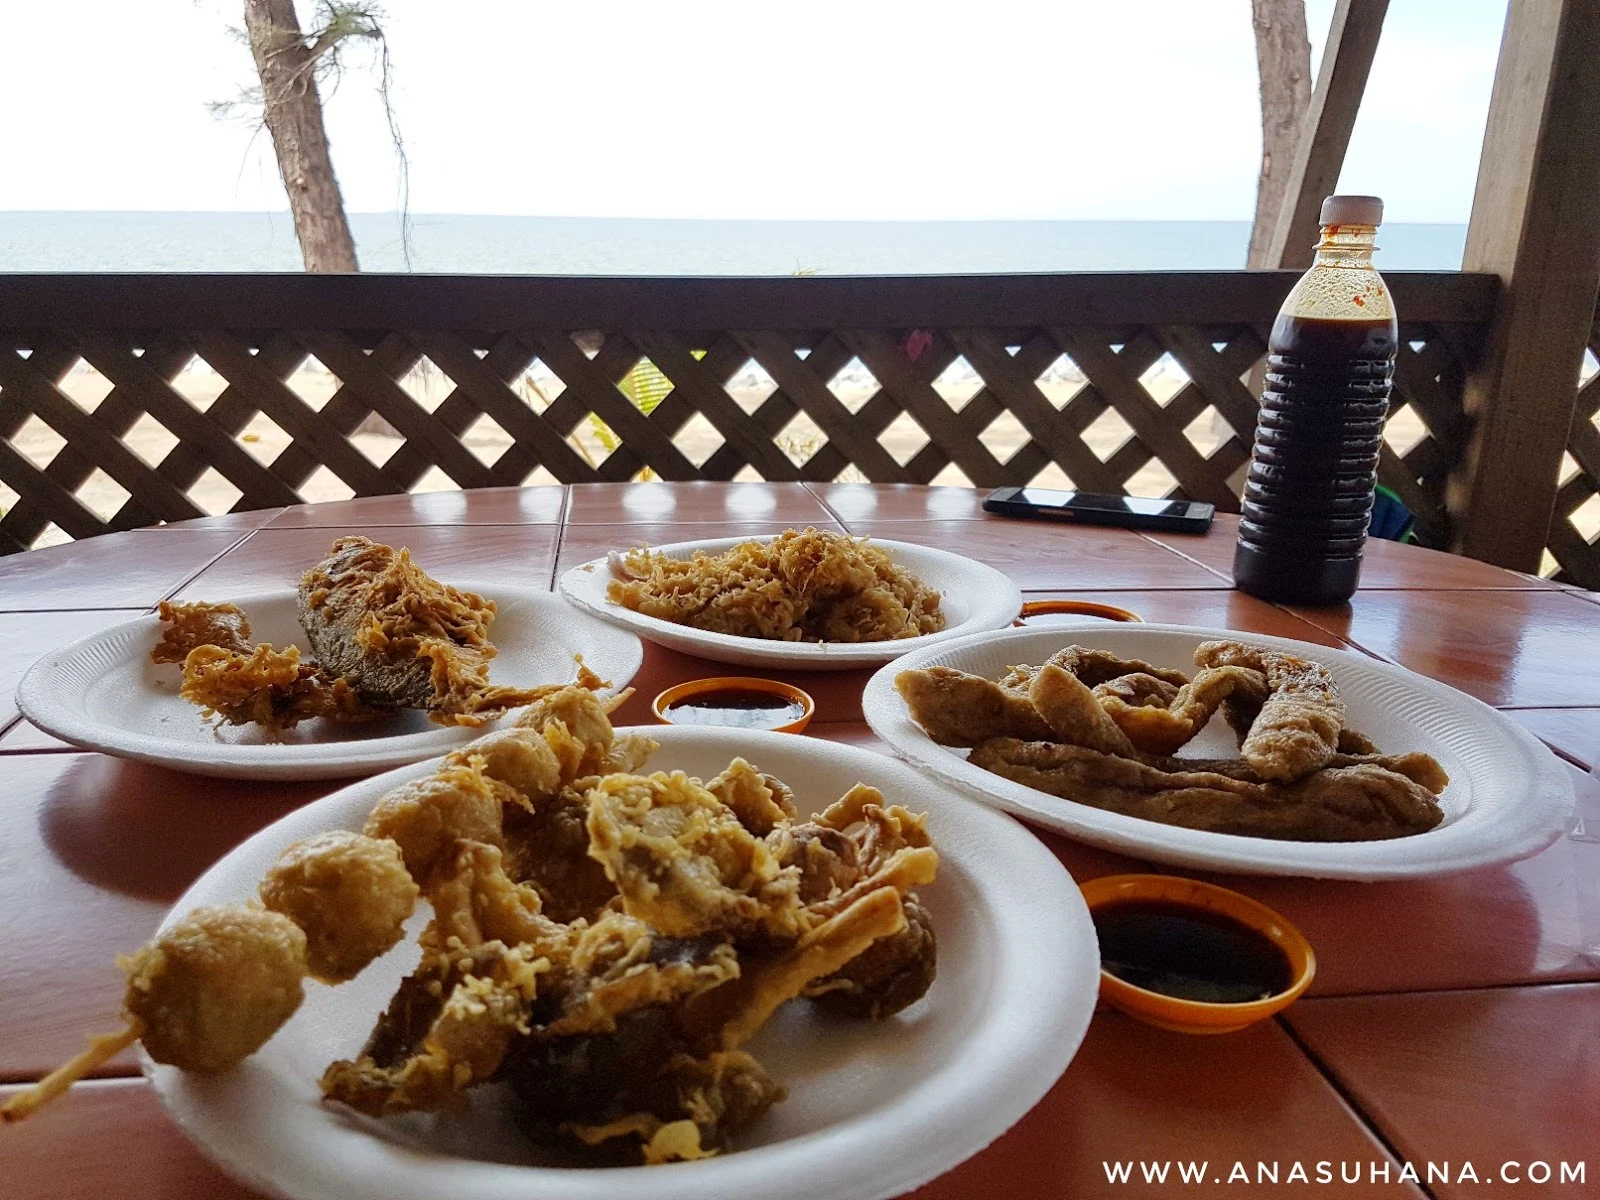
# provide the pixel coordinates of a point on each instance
(1325, 136)
(1536, 224)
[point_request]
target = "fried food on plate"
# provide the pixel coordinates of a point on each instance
(1364, 802)
(185, 626)
(386, 636)
(1074, 728)
(602, 941)
(798, 587)
(1296, 730)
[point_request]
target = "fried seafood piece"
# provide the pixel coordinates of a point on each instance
(448, 1027)
(268, 687)
(688, 1110)
(427, 816)
(349, 893)
(402, 638)
(1137, 690)
(575, 722)
(186, 626)
(1420, 768)
(1162, 730)
(1094, 667)
(547, 849)
(1073, 712)
(959, 709)
(1363, 802)
(203, 996)
(1297, 729)
(761, 802)
(801, 586)
(891, 974)
(683, 862)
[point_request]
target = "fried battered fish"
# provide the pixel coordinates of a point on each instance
(810, 586)
(402, 638)
(1363, 802)
(269, 687)
(186, 626)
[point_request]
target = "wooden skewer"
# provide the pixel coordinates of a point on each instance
(102, 1049)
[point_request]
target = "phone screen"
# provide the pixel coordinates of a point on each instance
(1143, 506)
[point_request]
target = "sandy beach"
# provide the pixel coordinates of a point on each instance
(698, 439)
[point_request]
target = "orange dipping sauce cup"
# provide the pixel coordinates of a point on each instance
(708, 689)
(1082, 608)
(1196, 1016)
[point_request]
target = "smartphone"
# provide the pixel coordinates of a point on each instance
(1128, 512)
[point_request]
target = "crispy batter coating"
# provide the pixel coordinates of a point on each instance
(1073, 712)
(268, 687)
(402, 638)
(349, 893)
(210, 990)
(683, 862)
(186, 626)
(807, 586)
(1297, 728)
(427, 816)
(958, 709)
(1137, 690)
(1364, 802)
(1163, 729)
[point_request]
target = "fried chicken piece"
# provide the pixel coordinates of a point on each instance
(1297, 728)
(1338, 804)
(689, 1110)
(402, 638)
(187, 626)
(806, 586)
(1137, 690)
(268, 687)
(958, 709)
(683, 862)
(427, 816)
(1154, 730)
(349, 893)
(1073, 713)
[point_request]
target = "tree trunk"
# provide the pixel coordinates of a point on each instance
(293, 110)
(1283, 57)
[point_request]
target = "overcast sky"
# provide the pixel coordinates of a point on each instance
(860, 109)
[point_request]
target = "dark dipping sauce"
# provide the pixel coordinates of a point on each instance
(743, 708)
(1189, 953)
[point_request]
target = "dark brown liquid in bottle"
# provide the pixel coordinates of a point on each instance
(1308, 497)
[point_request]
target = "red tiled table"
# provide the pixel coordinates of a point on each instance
(1452, 1020)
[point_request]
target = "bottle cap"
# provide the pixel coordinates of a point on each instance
(1352, 210)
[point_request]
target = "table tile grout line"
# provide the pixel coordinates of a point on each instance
(1592, 981)
(185, 582)
(1333, 1081)
(1182, 555)
(561, 534)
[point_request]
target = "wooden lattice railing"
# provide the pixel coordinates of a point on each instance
(1574, 541)
(111, 416)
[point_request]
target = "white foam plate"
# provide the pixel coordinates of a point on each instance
(974, 598)
(103, 693)
(1508, 796)
(874, 1108)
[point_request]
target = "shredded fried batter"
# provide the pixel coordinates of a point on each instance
(186, 626)
(811, 587)
(269, 687)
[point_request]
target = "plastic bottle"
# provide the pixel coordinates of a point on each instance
(1330, 361)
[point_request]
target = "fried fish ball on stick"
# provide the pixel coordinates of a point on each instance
(1297, 729)
(203, 996)
(349, 893)
(186, 626)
